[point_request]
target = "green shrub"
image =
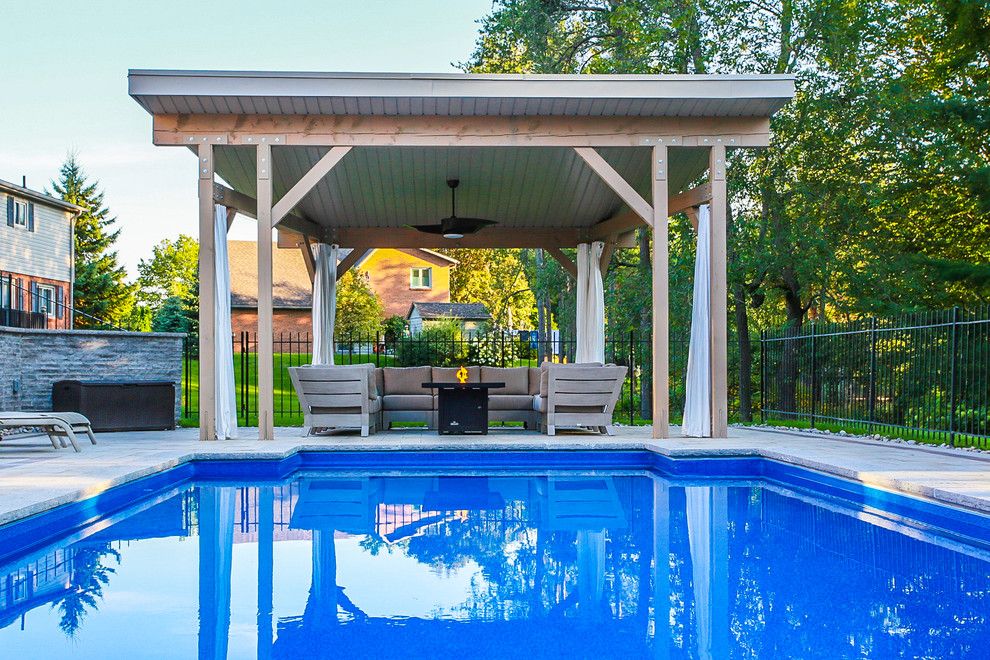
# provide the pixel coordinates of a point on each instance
(439, 344)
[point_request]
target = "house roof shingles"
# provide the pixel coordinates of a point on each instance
(438, 310)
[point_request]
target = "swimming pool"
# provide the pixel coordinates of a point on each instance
(478, 554)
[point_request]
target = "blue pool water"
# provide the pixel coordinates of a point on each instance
(483, 555)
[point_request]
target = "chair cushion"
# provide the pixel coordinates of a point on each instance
(380, 382)
(405, 380)
(516, 379)
(510, 402)
(539, 403)
(408, 401)
(449, 374)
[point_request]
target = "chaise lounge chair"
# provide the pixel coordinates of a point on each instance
(59, 426)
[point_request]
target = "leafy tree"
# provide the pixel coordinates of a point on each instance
(171, 272)
(101, 291)
(359, 310)
(89, 576)
(496, 278)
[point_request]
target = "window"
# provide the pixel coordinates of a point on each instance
(46, 299)
(420, 278)
(20, 213)
(5, 291)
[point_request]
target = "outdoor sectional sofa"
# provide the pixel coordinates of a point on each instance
(365, 397)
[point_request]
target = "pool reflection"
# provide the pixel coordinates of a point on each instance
(549, 565)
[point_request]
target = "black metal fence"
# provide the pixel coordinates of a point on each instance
(500, 349)
(925, 375)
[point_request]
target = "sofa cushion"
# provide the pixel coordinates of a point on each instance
(516, 379)
(380, 381)
(510, 402)
(449, 374)
(405, 380)
(534, 380)
(407, 402)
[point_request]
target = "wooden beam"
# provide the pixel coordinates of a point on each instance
(231, 214)
(563, 260)
(207, 297)
(348, 262)
(265, 342)
(607, 251)
(719, 295)
(692, 214)
(463, 131)
(305, 184)
(626, 192)
(627, 220)
(688, 199)
(661, 296)
(247, 205)
(306, 247)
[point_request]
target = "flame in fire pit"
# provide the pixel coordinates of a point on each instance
(462, 375)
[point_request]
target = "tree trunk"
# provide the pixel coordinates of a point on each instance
(745, 353)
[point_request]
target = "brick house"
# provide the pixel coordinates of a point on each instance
(399, 277)
(37, 258)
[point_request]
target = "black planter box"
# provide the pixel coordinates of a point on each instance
(139, 405)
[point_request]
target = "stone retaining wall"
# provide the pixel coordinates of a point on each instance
(32, 360)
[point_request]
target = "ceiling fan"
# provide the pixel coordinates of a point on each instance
(454, 227)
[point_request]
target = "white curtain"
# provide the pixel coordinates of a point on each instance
(216, 548)
(699, 524)
(226, 397)
(590, 304)
(697, 397)
(324, 302)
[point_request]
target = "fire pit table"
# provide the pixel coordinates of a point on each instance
(462, 407)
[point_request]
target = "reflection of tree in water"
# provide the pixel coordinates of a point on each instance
(531, 571)
(89, 576)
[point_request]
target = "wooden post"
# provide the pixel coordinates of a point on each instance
(719, 294)
(661, 295)
(207, 297)
(265, 348)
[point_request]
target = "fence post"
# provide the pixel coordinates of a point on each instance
(871, 413)
(763, 377)
(952, 375)
(814, 374)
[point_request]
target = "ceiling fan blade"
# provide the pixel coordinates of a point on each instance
(466, 225)
(428, 229)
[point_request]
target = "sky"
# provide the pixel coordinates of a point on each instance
(64, 83)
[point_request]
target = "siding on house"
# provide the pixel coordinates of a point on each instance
(44, 253)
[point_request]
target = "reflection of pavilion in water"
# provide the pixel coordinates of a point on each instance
(589, 551)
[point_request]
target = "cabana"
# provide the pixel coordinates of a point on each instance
(353, 159)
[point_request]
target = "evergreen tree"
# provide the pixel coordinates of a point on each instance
(101, 291)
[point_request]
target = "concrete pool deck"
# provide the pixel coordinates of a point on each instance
(34, 477)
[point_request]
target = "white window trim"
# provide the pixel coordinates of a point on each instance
(21, 219)
(421, 287)
(47, 287)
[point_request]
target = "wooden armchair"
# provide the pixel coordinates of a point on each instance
(579, 395)
(338, 396)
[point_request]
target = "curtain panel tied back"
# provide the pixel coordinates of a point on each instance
(698, 388)
(590, 321)
(226, 396)
(324, 302)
